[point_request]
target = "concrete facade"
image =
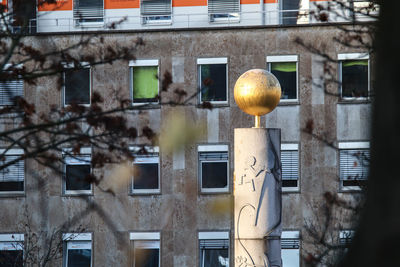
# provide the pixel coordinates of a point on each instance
(180, 211)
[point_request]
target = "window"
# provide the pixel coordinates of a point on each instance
(12, 177)
(22, 15)
(285, 70)
(146, 249)
(146, 171)
(290, 244)
(77, 249)
(213, 168)
(156, 11)
(290, 167)
(144, 81)
(88, 12)
(289, 11)
(9, 89)
(11, 250)
(77, 85)
(354, 160)
(353, 75)
(224, 10)
(214, 249)
(213, 77)
(345, 238)
(77, 171)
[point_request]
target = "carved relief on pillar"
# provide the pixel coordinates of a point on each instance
(257, 195)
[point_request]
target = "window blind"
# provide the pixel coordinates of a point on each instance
(155, 7)
(213, 156)
(290, 164)
(13, 173)
(290, 243)
(88, 9)
(223, 6)
(9, 90)
(214, 243)
(345, 241)
(354, 164)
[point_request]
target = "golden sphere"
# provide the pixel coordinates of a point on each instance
(257, 92)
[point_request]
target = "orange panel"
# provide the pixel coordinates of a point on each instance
(177, 3)
(115, 4)
(249, 2)
(60, 5)
(270, 1)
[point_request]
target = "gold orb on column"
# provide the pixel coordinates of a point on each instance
(257, 92)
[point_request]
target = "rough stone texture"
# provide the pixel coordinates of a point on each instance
(180, 211)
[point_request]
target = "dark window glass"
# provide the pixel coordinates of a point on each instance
(11, 258)
(213, 82)
(355, 78)
(360, 183)
(12, 186)
(289, 183)
(76, 177)
(145, 176)
(147, 257)
(77, 86)
(285, 72)
(289, 16)
(214, 258)
(79, 257)
(214, 174)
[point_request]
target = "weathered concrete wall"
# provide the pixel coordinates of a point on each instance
(180, 211)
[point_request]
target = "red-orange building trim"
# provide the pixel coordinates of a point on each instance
(120, 4)
(60, 5)
(179, 3)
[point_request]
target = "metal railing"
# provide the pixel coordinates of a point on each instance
(179, 21)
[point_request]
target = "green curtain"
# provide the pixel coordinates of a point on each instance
(145, 82)
(283, 66)
(349, 63)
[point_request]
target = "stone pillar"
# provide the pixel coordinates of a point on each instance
(258, 200)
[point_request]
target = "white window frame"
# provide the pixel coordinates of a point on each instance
(286, 59)
(82, 239)
(292, 147)
(353, 56)
(213, 148)
(153, 21)
(80, 24)
(146, 240)
(83, 158)
(153, 156)
(12, 241)
(18, 66)
(348, 146)
(210, 61)
(213, 235)
(143, 63)
(292, 234)
(84, 65)
(13, 152)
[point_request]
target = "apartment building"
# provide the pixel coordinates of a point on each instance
(167, 216)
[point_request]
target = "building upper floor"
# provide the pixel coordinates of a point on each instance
(100, 15)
